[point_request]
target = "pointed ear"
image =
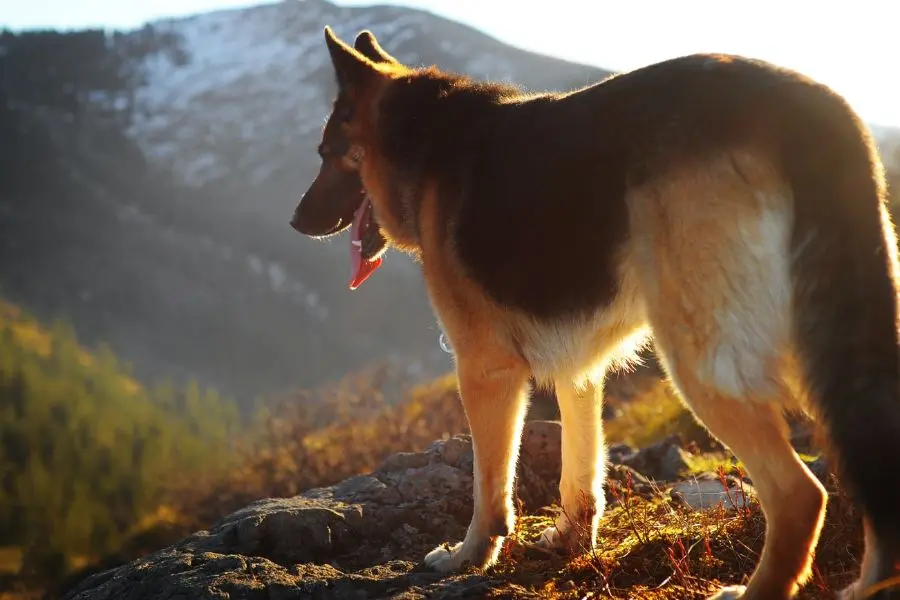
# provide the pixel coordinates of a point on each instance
(351, 68)
(368, 46)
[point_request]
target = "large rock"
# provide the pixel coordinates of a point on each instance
(665, 460)
(707, 490)
(362, 538)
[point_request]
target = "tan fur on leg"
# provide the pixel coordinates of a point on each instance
(583, 468)
(713, 257)
(792, 499)
(494, 399)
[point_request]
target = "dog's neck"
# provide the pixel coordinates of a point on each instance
(424, 124)
(395, 203)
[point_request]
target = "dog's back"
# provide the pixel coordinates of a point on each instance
(550, 179)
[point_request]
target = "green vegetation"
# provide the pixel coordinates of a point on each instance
(86, 454)
(96, 469)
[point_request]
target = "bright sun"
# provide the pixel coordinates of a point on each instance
(851, 48)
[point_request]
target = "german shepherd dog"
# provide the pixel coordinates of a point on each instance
(733, 210)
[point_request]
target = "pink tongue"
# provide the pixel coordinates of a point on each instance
(360, 269)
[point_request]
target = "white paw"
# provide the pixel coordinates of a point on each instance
(445, 559)
(567, 537)
(551, 538)
(731, 592)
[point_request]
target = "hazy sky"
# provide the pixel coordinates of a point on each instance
(846, 45)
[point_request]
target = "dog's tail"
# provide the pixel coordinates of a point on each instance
(845, 302)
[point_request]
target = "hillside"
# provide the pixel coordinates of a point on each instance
(148, 199)
(101, 476)
(149, 178)
(88, 451)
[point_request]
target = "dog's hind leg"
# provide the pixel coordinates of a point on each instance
(713, 254)
(725, 357)
(792, 499)
(493, 392)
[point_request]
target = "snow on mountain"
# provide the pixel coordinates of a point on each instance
(257, 84)
(257, 79)
(246, 69)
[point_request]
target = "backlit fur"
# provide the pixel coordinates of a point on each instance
(706, 201)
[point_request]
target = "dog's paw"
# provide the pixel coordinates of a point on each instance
(551, 539)
(444, 559)
(566, 538)
(731, 592)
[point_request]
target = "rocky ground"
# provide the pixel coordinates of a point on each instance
(364, 538)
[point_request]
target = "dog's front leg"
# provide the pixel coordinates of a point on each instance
(583, 468)
(493, 391)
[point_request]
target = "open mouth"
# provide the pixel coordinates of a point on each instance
(366, 244)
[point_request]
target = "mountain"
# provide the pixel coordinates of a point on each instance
(147, 178)
(146, 191)
(258, 84)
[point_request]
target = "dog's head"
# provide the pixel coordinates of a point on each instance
(336, 200)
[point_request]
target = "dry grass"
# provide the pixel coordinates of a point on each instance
(315, 439)
(659, 549)
(649, 548)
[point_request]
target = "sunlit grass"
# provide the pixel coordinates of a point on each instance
(661, 550)
(652, 416)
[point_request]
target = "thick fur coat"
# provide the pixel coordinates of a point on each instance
(733, 210)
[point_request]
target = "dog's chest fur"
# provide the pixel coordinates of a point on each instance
(582, 347)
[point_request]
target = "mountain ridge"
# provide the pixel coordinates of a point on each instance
(206, 278)
(154, 214)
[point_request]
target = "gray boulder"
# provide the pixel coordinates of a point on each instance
(362, 538)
